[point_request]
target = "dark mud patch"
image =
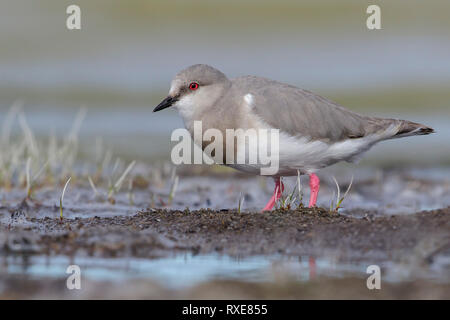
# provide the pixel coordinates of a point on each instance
(309, 231)
(153, 233)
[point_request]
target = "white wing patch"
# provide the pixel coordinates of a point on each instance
(248, 99)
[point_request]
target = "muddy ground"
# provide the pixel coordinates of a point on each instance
(307, 231)
(397, 219)
(416, 241)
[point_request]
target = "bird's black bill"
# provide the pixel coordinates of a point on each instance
(167, 102)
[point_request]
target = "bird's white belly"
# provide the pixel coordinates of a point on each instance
(308, 156)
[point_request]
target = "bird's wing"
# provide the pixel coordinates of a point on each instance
(300, 112)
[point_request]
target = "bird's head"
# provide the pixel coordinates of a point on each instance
(195, 88)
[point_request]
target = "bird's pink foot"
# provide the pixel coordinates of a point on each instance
(314, 184)
(279, 188)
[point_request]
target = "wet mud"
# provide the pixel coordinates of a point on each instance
(152, 232)
(417, 241)
(144, 246)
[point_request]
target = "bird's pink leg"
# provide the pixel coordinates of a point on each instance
(314, 184)
(279, 188)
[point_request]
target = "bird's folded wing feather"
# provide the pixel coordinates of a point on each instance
(299, 112)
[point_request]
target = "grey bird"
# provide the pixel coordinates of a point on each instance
(314, 132)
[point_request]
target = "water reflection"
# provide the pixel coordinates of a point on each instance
(186, 270)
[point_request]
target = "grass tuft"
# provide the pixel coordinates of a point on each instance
(115, 188)
(173, 188)
(300, 190)
(61, 199)
(339, 199)
(240, 202)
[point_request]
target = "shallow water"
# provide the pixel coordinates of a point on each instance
(186, 270)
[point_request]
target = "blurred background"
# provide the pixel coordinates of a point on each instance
(119, 65)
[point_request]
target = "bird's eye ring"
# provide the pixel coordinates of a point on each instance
(193, 86)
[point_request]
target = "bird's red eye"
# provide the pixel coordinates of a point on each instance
(193, 86)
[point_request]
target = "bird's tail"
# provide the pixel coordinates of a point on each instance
(385, 129)
(408, 128)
